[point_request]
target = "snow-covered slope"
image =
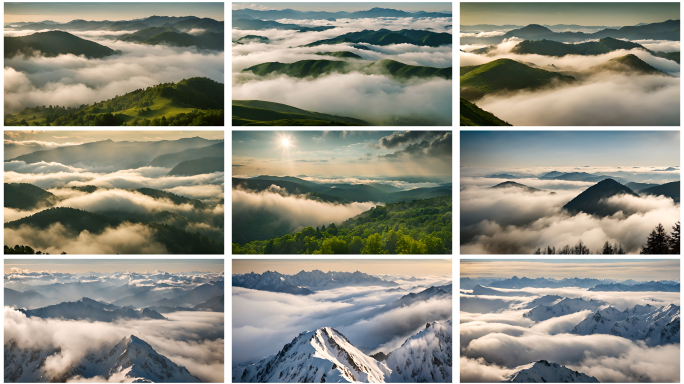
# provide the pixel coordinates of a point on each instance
(87, 309)
(303, 283)
(425, 357)
(131, 360)
(543, 371)
(563, 307)
(325, 355)
(655, 326)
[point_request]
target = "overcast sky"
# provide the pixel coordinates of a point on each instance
(349, 7)
(342, 154)
(111, 266)
(569, 148)
(558, 269)
(65, 12)
(90, 136)
(372, 267)
(587, 14)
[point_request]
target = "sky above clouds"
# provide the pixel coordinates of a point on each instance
(119, 265)
(334, 154)
(62, 137)
(347, 7)
(112, 11)
(371, 267)
(588, 14)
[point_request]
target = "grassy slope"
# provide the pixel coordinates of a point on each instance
(627, 63)
(506, 74)
(251, 112)
(340, 54)
(554, 48)
(472, 115)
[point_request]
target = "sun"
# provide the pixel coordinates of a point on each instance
(285, 142)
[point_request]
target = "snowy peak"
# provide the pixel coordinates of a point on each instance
(655, 326)
(543, 371)
(87, 309)
(304, 282)
(424, 357)
(563, 307)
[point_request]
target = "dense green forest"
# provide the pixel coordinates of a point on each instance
(554, 48)
(194, 101)
(417, 227)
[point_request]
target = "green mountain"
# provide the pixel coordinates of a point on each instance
(253, 39)
(183, 23)
(316, 68)
(416, 227)
(387, 37)
(258, 25)
(76, 221)
(505, 74)
(54, 43)
(198, 167)
(627, 63)
(176, 199)
(674, 56)
(194, 101)
(172, 36)
(472, 115)
(554, 48)
(26, 196)
(341, 54)
(670, 190)
(169, 160)
(258, 112)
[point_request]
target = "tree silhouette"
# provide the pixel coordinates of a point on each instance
(674, 240)
(658, 242)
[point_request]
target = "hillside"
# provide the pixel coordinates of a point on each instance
(674, 56)
(198, 166)
(172, 36)
(26, 196)
(340, 54)
(316, 68)
(670, 190)
(513, 184)
(626, 64)
(506, 74)
(592, 200)
(76, 221)
(54, 43)
(386, 37)
(472, 115)
(258, 25)
(176, 199)
(194, 101)
(253, 39)
(557, 49)
(169, 160)
(258, 112)
(183, 23)
(416, 227)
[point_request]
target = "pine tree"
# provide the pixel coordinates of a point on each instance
(658, 242)
(607, 249)
(674, 240)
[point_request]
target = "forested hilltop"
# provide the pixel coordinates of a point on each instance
(194, 101)
(416, 227)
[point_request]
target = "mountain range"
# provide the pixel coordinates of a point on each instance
(306, 15)
(557, 49)
(193, 101)
(654, 326)
(326, 355)
(384, 37)
(88, 309)
(54, 43)
(304, 283)
(174, 37)
(564, 307)
(131, 360)
(184, 23)
(642, 287)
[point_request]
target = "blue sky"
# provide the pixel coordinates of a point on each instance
(119, 265)
(349, 6)
(569, 148)
(64, 12)
(617, 269)
(588, 14)
(333, 154)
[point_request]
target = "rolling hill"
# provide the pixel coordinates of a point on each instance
(674, 56)
(26, 196)
(513, 184)
(172, 159)
(316, 68)
(340, 54)
(258, 25)
(76, 221)
(627, 64)
(472, 115)
(54, 43)
(183, 23)
(194, 101)
(386, 37)
(557, 49)
(198, 166)
(258, 112)
(505, 74)
(172, 36)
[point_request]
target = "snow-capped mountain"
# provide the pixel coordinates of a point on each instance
(655, 286)
(655, 326)
(543, 371)
(542, 282)
(561, 308)
(326, 355)
(131, 360)
(425, 357)
(547, 300)
(303, 283)
(480, 290)
(87, 309)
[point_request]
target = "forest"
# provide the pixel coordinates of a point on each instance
(416, 227)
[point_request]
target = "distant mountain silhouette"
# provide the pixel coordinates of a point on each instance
(554, 48)
(670, 190)
(54, 43)
(636, 187)
(502, 176)
(198, 167)
(627, 64)
(592, 201)
(513, 184)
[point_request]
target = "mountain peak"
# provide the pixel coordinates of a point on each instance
(592, 200)
(548, 372)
